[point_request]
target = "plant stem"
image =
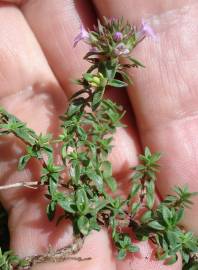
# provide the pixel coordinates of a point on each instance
(32, 184)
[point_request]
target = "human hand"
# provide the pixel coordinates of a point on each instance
(164, 109)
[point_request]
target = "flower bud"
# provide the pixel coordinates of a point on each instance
(121, 49)
(96, 80)
(118, 36)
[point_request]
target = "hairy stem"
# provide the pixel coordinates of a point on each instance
(31, 184)
(60, 255)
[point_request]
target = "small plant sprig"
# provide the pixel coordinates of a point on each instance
(87, 195)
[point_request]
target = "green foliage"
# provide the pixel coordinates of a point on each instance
(124, 245)
(87, 197)
(9, 261)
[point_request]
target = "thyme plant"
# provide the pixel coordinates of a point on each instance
(87, 197)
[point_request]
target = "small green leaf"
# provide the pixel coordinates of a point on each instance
(111, 182)
(121, 254)
(107, 169)
(135, 188)
(108, 69)
(135, 207)
(97, 98)
(81, 133)
(146, 216)
(117, 83)
(133, 248)
(94, 224)
(135, 62)
(88, 77)
(126, 77)
(52, 185)
(180, 214)
(147, 152)
(83, 225)
(82, 200)
(167, 215)
(51, 209)
(150, 200)
(156, 156)
(171, 260)
(66, 202)
(97, 179)
(137, 176)
(23, 162)
(75, 106)
(140, 167)
(156, 225)
(75, 173)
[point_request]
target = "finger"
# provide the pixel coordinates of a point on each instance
(165, 99)
(28, 90)
(16, 2)
(59, 22)
(37, 99)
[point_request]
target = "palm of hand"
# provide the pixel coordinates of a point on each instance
(37, 57)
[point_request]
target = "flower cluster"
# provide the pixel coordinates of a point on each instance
(114, 38)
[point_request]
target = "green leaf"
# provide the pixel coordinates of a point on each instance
(151, 175)
(23, 162)
(112, 184)
(97, 98)
(135, 207)
(83, 225)
(121, 254)
(94, 224)
(147, 152)
(150, 200)
(97, 179)
(82, 201)
(133, 248)
(156, 225)
(75, 106)
(180, 215)
(88, 77)
(117, 83)
(171, 260)
(167, 215)
(135, 62)
(146, 216)
(107, 169)
(51, 209)
(137, 176)
(66, 202)
(126, 77)
(52, 185)
(75, 172)
(81, 133)
(135, 188)
(172, 237)
(140, 167)
(108, 69)
(156, 156)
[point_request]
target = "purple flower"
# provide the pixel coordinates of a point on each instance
(121, 49)
(146, 30)
(83, 35)
(118, 36)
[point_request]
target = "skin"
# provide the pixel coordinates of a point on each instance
(36, 63)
